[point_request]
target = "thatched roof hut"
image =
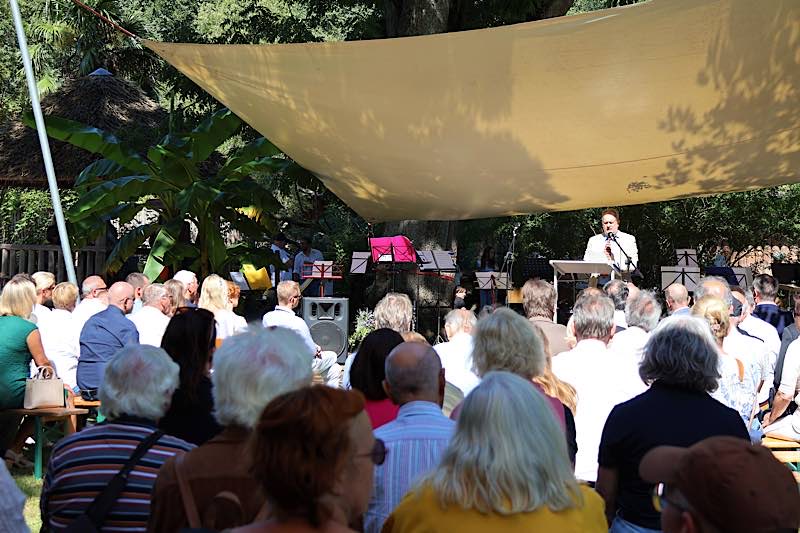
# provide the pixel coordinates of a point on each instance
(99, 100)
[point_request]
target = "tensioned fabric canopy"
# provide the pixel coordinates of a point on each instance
(655, 101)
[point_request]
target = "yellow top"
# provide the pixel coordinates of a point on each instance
(422, 513)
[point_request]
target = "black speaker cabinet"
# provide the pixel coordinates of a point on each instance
(327, 320)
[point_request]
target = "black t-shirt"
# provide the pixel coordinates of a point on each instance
(663, 415)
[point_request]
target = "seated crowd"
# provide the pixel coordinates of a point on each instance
(620, 421)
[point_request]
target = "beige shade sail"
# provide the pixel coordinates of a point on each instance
(655, 101)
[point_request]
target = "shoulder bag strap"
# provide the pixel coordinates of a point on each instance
(189, 505)
(102, 504)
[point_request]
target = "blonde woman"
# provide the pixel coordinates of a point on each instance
(549, 382)
(506, 469)
(19, 343)
(60, 335)
(176, 290)
(214, 297)
(506, 341)
(737, 388)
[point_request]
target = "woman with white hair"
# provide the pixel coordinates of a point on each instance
(20, 342)
(506, 469)
(249, 371)
(136, 390)
(680, 364)
(214, 297)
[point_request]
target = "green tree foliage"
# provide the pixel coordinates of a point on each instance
(170, 181)
(745, 220)
(26, 213)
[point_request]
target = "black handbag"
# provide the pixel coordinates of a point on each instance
(92, 520)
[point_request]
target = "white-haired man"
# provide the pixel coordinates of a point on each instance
(189, 280)
(45, 283)
(393, 311)
(677, 299)
(324, 362)
(595, 373)
(418, 437)
(456, 353)
(94, 298)
(136, 392)
(151, 321)
(249, 371)
(642, 313)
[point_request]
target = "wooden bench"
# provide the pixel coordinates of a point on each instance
(79, 402)
(48, 413)
(779, 444)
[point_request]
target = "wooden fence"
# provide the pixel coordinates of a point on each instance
(30, 258)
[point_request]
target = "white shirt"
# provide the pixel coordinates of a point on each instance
(596, 251)
(284, 317)
(229, 323)
(39, 311)
(628, 346)
(456, 357)
(752, 352)
(790, 378)
(60, 341)
(286, 273)
(619, 319)
(151, 324)
(600, 380)
(300, 259)
(767, 333)
(85, 310)
(728, 390)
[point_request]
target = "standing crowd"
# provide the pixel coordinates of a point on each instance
(620, 421)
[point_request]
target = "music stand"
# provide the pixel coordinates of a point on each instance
(688, 276)
(687, 257)
(322, 270)
(493, 281)
(436, 260)
(392, 250)
(358, 263)
(744, 275)
(575, 271)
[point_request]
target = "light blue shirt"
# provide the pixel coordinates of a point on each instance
(415, 442)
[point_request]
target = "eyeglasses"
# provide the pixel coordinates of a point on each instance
(378, 453)
(660, 500)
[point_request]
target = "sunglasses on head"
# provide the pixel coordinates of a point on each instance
(660, 500)
(378, 453)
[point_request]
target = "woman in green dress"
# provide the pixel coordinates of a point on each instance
(19, 343)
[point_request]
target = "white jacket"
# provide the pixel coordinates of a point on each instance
(596, 246)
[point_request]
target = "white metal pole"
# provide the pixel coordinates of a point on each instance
(40, 128)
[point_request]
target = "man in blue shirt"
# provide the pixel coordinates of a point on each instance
(419, 435)
(103, 335)
(765, 290)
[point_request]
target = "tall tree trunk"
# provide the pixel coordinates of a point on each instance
(416, 17)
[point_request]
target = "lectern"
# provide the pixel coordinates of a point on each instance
(575, 271)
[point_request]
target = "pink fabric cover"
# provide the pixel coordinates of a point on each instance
(403, 248)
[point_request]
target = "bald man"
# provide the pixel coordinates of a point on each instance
(677, 298)
(94, 298)
(102, 337)
(418, 436)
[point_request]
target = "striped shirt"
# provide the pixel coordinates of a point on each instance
(415, 442)
(82, 464)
